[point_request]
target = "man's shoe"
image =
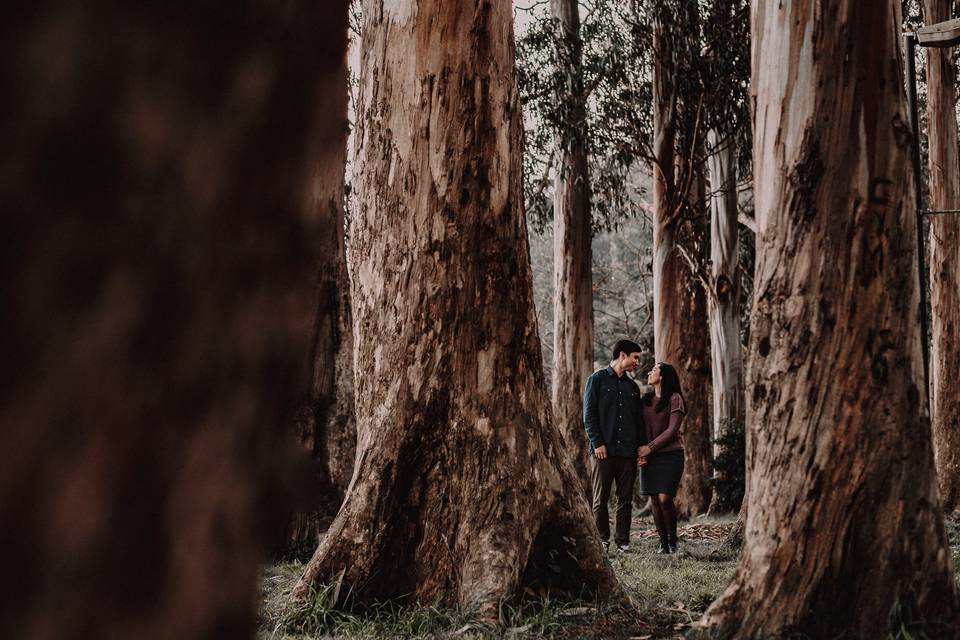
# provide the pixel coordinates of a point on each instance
(606, 545)
(622, 548)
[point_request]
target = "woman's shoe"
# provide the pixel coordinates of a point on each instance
(664, 548)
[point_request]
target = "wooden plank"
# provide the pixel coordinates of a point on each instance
(942, 34)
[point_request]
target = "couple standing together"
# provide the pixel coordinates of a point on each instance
(627, 430)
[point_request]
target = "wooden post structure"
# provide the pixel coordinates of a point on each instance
(939, 35)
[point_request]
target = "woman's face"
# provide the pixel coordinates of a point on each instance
(654, 376)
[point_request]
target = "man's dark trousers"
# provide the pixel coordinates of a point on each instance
(621, 471)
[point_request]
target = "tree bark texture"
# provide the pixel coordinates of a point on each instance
(944, 259)
(844, 524)
(724, 298)
(158, 294)
(572, 256)
(463, 490)
(680, 307)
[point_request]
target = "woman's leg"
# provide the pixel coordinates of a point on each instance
(669, 510)
(658, 519)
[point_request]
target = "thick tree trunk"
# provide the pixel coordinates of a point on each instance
(724, 299)
(326, 428)
(572, 256)
(944, 259)
(844, 520)
(462, 486)
(158, 293)
(679, 303)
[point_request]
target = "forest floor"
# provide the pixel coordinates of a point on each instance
(668, 594)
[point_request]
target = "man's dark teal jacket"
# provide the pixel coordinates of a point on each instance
(612, 413)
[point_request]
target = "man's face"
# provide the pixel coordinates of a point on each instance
(632, 361)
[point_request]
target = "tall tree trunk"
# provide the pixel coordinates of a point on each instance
(462, 488)
(680, 312)
(724, 299)
(327, 429)
(944, 259)
(692, 354)
(158, 294)
(572, 256)
(844, 521)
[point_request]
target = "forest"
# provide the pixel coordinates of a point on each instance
(481, 319)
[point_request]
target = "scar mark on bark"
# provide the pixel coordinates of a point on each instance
(879, 191)
(901, 132)
(759, 393)
(805, 177)
(765, 346)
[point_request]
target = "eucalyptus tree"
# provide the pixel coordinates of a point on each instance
(462, 491)
(833, 484)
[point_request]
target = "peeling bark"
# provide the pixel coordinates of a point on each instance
(834, 484)
(572, 257)
(462, 486)
(944, 259)
(724, 299)
(158, 294)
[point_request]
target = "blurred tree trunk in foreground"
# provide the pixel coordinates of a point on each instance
(844, 534)
(158, 294)
(463, 491)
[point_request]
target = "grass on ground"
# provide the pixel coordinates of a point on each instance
(668, 594)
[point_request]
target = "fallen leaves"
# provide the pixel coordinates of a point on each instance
(702, 531)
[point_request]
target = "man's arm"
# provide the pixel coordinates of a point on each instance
(591, 414)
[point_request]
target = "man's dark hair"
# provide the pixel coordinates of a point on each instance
(627, 346)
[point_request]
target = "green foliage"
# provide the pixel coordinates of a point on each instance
(730, 465)
(316, 614)
(709, 67)
(616, 105)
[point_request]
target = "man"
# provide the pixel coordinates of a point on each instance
(614, 424)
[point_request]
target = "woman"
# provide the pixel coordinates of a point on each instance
(663, 411)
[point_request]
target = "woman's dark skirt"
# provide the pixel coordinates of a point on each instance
(662, 473)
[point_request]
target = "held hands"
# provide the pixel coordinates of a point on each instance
(643, 452)
(601, 452)
(642, 461)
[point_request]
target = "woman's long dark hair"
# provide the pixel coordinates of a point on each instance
(669, 385)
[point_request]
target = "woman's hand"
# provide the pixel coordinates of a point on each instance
(642, 461)
(643, 452)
